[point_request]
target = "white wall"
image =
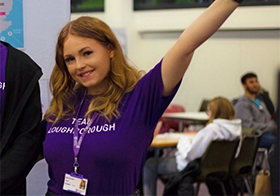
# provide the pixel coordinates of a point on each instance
(248, 41)
(43, 21)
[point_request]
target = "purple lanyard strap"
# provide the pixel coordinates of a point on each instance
(77, 142)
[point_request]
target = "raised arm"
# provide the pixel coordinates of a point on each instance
(178, 58)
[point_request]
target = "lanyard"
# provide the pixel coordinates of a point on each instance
(258, 103)
(78, 142)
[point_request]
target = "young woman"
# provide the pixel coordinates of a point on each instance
(222, 125)
(103, 114)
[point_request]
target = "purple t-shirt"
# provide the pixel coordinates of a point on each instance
(3, 60)
(112, 154)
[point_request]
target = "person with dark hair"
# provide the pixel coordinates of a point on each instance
(246, 76)
(262, 93)
(21, 115)
(253, 111)
(102, 117)
(222, 125)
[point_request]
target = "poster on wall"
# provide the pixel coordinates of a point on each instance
(11, 22)
(179, 4)
(87, 6)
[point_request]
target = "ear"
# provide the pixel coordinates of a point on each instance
(111, 51)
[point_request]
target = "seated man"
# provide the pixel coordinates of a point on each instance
(253, 111)
(222, 125)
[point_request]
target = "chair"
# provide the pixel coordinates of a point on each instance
(265, 152)
(203, 106)
(248, 131)
(262, 159)
(234, 101)
(261, 149)
(170, 109)
(216, 161)
(243, 165)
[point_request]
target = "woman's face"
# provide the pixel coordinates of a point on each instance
(88, 62)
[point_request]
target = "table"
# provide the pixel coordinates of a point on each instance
(170, 139)
(189, 117)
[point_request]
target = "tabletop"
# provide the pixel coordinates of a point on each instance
(193, 116)
(170, 139)
(190, 118)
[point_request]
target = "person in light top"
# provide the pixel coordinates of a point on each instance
(222, 125)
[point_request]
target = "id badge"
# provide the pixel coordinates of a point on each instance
(75, 183)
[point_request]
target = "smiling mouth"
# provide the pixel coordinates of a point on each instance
(86, 74)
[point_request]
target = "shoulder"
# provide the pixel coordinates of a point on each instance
(150, 81)
(209, 129)
(211, 126)
(22, 61)
(156, 70)
(243, 101)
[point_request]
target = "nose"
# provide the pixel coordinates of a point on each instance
(80, 64)
(256, 83)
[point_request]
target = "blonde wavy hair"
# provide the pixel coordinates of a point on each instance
(122, 77)
(220, 107)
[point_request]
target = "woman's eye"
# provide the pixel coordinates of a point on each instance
(87, 53)
(68, 59)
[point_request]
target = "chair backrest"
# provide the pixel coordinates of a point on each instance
(217, 159)
(170, 109)
(243, 164)
(174, 108)
(203, 106)
(248, 131)
(234, 101)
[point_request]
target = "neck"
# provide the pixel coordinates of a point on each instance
(250, 95)
(99, 89)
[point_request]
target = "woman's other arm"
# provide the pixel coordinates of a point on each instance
(178, 58)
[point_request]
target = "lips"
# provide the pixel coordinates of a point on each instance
(85, 74)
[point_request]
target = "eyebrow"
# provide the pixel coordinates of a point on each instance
(83, 49)
(80, 51)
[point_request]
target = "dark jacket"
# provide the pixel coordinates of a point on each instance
(181, 183)
(20, 130)
(266, 99)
